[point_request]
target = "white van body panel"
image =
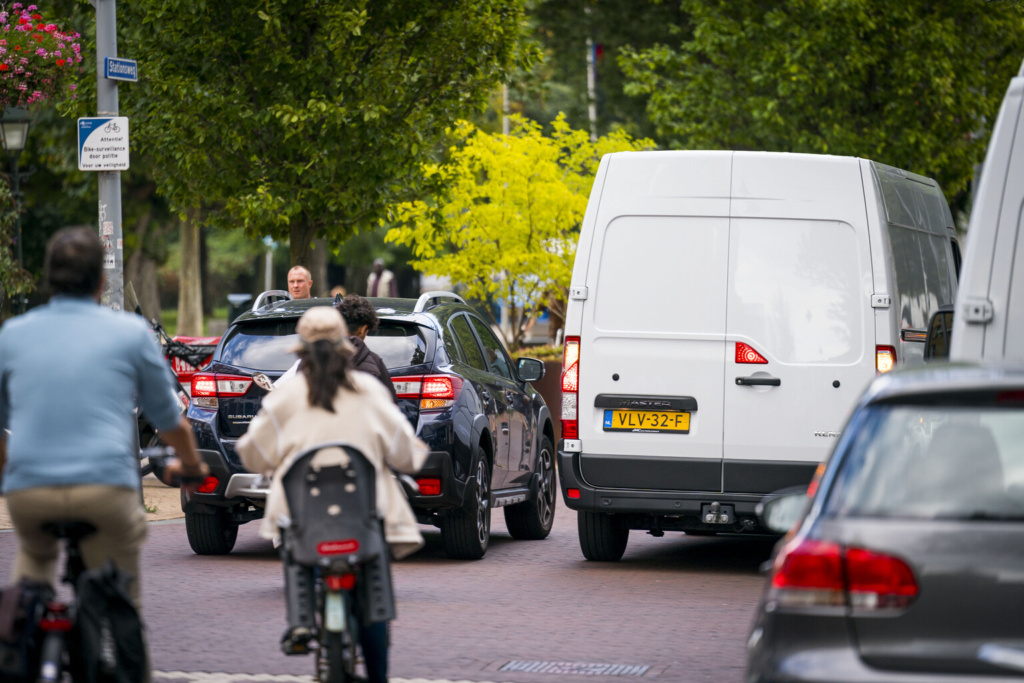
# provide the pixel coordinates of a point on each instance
(663, 219)
(799, 291)
(988, 324)
(684, 255)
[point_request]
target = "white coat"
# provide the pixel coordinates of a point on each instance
(367, 418)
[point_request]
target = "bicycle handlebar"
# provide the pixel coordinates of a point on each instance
(163, 457)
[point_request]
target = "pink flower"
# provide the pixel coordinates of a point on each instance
(41, 52)
(16, 6)
(72, 86)
(32, 8)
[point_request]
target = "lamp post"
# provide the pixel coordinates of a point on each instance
(14, 130)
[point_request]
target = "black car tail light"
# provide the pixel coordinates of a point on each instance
(434, 391)
(814, 574)
(209, 485)
(208, 387)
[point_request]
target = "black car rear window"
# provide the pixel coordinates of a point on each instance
(266, 345)
(934, 461)
(400, 345)
(263, 345)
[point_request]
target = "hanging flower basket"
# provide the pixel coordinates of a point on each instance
(38, 61)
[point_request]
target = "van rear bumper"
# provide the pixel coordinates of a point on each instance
(661, 502)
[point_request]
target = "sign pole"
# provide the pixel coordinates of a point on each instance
(110, 227)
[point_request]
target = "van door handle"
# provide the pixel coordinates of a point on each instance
(758, 381)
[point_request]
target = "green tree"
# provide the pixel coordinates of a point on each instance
(563, 26)
(302, 119)
(14, 280)
(913, 84)
(506, 223)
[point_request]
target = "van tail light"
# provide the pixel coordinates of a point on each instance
(746, 354)
(812, 488)
(570, 388)
(885, 359)
(340, 582)
(812, 574)
(433, 391)
(208, 387)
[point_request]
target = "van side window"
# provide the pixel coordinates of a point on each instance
(497, 362)
(921, 262)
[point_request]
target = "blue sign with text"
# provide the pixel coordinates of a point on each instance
(118, 69)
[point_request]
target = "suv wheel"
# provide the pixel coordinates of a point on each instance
(210, 533)
(601, 539)
(532, 520)
(467, 531)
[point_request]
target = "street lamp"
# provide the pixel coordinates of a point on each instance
(14, 130)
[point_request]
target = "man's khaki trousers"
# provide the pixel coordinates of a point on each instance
(116, 513)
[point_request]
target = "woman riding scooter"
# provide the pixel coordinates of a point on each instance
(327, 401)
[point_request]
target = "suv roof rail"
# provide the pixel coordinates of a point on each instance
(424, 302)
(270, 297)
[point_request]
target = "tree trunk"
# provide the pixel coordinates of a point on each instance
(318, 268)
(300, 245)
(190, 289)
(140, 270)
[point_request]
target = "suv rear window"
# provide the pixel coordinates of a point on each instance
(263, 345)
(399, 345)
(934, 461)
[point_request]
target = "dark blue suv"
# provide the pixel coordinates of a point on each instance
(489, 432)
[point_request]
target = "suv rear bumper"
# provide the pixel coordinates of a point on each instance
(438, 465)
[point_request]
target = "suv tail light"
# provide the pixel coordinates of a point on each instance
(208, 387)
(812, 574)
(571, 388)
(885, 359)
(434, 391)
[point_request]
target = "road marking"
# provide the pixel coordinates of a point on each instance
(221, 677)
(578, 668)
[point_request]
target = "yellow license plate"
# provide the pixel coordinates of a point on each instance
(648, 421)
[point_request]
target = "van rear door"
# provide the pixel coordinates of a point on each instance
(653, 324)
(800, 331)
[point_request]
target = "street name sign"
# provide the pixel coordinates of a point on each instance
(103, 143)
(118, 69)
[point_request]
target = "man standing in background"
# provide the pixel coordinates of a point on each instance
(300, 281)
(381, 281)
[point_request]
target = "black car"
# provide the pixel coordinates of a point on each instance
(909, 563)
(489, 432)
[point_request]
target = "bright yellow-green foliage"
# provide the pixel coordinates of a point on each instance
(506, 227)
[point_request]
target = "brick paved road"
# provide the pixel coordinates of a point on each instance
(680, 606)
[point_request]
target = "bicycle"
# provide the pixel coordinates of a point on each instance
(112, 127)
(57, 655)
(346, 552)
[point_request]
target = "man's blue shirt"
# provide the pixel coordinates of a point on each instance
(70, 373)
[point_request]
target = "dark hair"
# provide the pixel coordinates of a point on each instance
(357, 312)
(326, 368)
(74, 262)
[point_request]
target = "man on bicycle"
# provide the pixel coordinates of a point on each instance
(70, 373)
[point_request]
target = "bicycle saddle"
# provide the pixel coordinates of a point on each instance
(69, 528)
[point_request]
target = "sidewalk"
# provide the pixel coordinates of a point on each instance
(162, 502)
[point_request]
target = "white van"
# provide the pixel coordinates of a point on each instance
(726, 310)
(988, 324)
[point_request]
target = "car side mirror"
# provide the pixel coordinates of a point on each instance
(940, 331)
(783, 510)
(529, 369)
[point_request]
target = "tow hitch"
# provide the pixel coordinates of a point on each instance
(716, 513)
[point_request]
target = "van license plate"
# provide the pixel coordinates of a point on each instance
(647, 421)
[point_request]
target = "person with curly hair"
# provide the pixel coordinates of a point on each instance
(362, 320)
